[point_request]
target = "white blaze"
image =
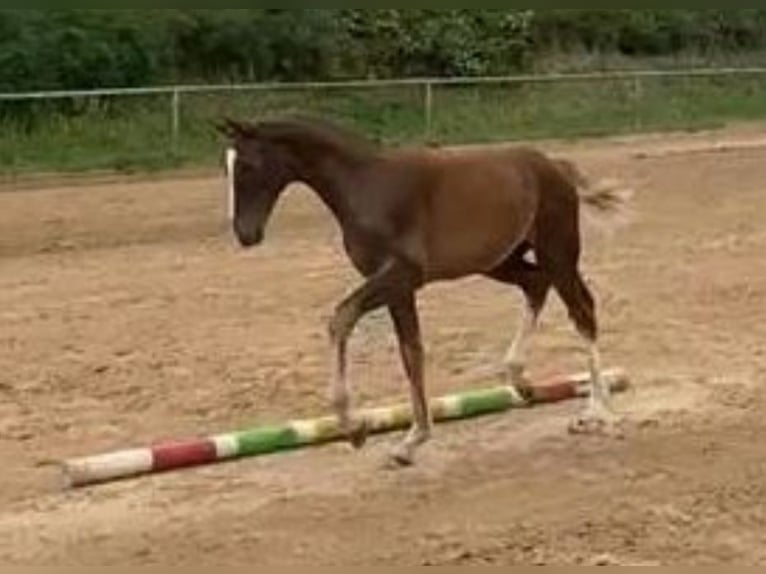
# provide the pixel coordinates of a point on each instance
(231, 162)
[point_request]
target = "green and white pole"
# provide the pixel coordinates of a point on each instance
(297, 434)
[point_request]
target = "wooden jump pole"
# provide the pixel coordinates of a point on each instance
(261, 441)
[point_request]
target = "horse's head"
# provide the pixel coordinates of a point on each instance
(257, 172)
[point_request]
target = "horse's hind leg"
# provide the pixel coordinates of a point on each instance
(582, 310)
(536, 284)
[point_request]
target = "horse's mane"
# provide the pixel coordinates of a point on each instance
(317, 135)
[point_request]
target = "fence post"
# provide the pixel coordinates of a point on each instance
(429, 105)
(638, 95)
(175, 112)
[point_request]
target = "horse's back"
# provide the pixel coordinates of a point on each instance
(480, 205)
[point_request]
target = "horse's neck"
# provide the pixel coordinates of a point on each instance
(332, 178)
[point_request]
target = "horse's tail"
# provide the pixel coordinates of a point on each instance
(607, 205)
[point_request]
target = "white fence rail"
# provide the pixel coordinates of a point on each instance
(176, 93)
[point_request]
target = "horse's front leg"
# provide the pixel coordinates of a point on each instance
(380, 289)
(405, 317)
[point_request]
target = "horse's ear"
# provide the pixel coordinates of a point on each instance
(234, 129)
(227, 128)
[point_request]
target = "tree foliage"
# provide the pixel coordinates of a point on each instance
(88, 48)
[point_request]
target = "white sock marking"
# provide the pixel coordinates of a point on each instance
(517, 351)
(600, 391)
(231, 163)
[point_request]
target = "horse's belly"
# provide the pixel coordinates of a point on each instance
(478, 239)
(469, 254)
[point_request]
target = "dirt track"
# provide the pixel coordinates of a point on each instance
(127, 315)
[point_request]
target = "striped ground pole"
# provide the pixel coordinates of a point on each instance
(178, 455)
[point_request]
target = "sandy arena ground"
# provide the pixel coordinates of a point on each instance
(127, 315)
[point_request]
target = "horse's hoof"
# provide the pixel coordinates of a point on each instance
(399, 459)
(586, 426)
(358, 435)
(399, 462)
(515, 374)
(605, 425)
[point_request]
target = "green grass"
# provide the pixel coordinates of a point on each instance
(131, 134)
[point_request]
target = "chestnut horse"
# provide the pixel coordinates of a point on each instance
(414, 217)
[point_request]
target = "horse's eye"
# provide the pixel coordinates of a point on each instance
(246, 167)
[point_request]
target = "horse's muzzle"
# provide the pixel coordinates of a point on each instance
(249, 238)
